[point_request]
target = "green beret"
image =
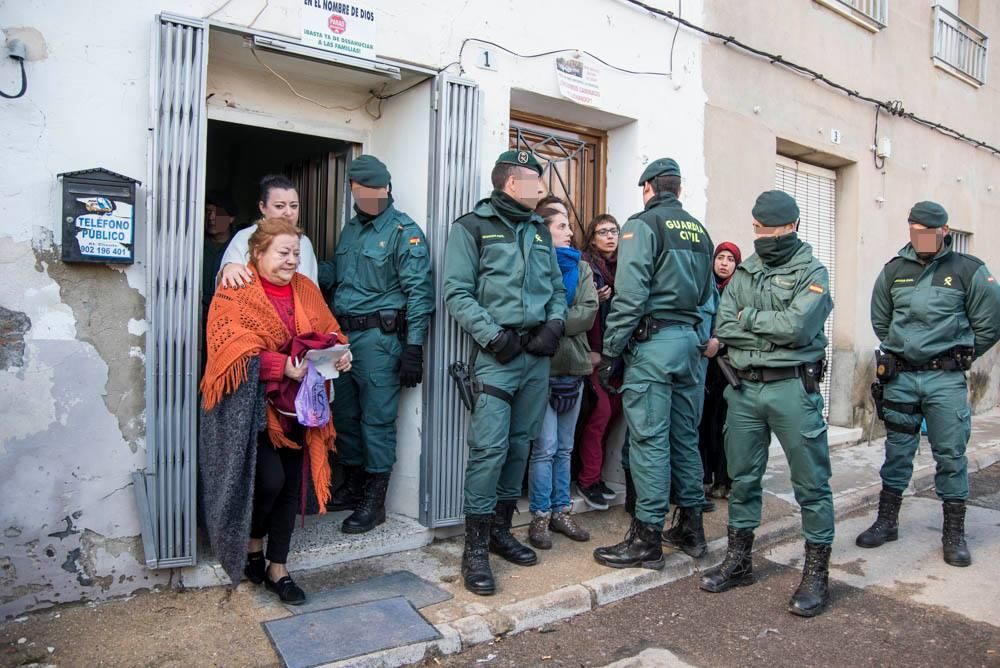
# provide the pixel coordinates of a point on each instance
(369, 171)
(661, 167)
(928, 214)
(775, 208)
(521, 159)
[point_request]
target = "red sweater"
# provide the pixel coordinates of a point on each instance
(272, 364)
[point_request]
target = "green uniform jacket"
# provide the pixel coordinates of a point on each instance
(920, 311)
(501, 275)
(383, 264)
(664, 270)
(783, 312)
(573, 356)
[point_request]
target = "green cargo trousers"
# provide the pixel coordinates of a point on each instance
(661, 401)
(500, 433)
(943, 399)
(796, 417)
(366, 402)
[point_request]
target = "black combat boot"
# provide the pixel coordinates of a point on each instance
(813, 593)
(956, 552)
(351, 491)
(640, 549)
(736, 570)
(687, 532)
(629, 493)
(476, 557)
(502, 541)
(371, 511)
(886, 526)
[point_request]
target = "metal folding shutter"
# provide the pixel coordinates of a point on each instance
(454, 189)
(815, 190)
(166, 490)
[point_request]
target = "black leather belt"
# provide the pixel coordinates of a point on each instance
(356, 323)
(669, 323)
(936, 364)
(760, 374)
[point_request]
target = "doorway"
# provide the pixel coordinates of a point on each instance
(237, 156)
(574, 161)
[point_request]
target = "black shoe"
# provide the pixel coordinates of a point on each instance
(502, 541)
(813, 593)
(886, 526)
(287, 590)
(476, 571)
(629, 493)
(592, 495)
(371, 511)
(736, 570)
(956, 552)
(640, 549)
(687, 532)
(606, 491)
(256, 568)
(708, 506)
(350, 493)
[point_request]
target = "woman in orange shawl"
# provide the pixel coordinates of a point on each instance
(249, 332)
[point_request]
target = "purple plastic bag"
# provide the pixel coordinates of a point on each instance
(312, 407)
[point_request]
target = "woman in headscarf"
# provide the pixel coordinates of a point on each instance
(254, 455)
(549, 466)
(710, 443)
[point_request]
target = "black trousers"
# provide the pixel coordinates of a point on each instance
(276, 497)
(710, 440)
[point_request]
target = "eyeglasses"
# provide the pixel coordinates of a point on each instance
(607, 232)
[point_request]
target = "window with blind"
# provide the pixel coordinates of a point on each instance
(961, 242)
(574, 162)
(815, 191)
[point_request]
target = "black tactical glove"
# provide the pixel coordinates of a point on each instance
(604, 370)
(411, 365)
(505, 346)
(544, 339)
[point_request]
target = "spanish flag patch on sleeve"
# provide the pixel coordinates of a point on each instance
(414, 241)
(628, 235)
(815, 287)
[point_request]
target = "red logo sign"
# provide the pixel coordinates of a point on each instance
(337, 24)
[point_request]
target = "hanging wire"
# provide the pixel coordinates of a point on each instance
(24, 83)
(465, 41)
(893, 107)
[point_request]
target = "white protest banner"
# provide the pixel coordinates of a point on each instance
(578, 81)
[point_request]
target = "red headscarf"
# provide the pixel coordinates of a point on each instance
(735, 250)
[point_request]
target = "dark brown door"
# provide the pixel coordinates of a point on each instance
(574, 161)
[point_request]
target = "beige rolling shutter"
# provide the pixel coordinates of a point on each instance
(815, 190)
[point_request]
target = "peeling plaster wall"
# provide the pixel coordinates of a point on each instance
(72, 336)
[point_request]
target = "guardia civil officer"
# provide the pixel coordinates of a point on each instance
(383, 299)
(503, 286)
(664, 278)
(771, 319)
(934, 311)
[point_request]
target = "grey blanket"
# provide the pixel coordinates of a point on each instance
(227, 464)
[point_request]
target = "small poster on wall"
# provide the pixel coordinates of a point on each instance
(347, 28)
(578, 81)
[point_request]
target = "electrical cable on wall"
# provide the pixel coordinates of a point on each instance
(16, 51)
(465, 41)
(893, 107)
(879, 162)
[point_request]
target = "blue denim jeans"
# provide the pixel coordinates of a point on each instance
(548, 468)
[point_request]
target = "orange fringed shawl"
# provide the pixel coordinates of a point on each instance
(243, 322)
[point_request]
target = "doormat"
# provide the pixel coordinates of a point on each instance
(316, 638)
(417, 591)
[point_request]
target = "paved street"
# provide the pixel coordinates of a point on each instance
(899, 605)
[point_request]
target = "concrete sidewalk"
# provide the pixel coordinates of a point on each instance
(215, 626)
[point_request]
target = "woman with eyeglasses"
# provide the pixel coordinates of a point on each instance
(601, 252)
